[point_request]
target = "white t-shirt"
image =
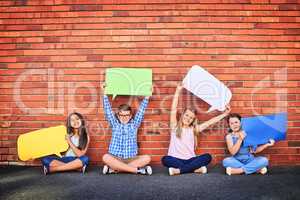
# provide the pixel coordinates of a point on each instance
(75, 141)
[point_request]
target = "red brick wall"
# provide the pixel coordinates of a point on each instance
(54, 52)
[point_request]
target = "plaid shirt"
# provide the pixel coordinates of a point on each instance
(124, 136)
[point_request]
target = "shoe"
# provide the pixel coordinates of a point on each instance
(228, 171)
(203, 169)
(171, 171)
(107, 170)
(148, 170)
(145, 170)
(263, 170)
(83, 169)
(45, 170)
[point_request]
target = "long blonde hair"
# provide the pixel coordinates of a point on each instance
(193, 124)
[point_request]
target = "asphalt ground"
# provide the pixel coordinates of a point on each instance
(18, 182)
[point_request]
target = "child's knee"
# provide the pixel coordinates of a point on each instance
(147, 159)
(84, 160)
(227, 162)
(164, 160)
(46, 161)
(106, 158)
(208, 157)
(263, 161)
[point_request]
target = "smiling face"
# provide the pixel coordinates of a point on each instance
(75, 121)
(124, 116)
(188, 118)
(234, 124)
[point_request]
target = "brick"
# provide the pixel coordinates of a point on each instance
(289, 6)
(294, 144)
(97, 58)
(51, 39)
(33, 59)
(244, 44)
(85, 7)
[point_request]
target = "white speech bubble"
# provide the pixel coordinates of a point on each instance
(207, 87)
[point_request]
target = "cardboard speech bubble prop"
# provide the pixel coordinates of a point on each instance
(44, 142)
(207, 87)
(128, 81)
(260, 129)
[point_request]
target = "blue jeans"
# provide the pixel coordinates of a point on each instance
(48, 159)
(186, 166)
(249, 166)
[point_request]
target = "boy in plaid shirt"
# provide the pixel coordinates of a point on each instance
(123, 155)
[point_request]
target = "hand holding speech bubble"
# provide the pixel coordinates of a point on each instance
(44, 142)
(205, 86)
(128, 81)
(260, 129)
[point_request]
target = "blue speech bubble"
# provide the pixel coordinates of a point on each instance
(260, 129)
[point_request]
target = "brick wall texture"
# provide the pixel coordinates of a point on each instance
(53, 55)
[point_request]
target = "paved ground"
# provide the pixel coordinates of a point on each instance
(29, 183)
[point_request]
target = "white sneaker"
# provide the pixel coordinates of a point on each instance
(107, 170)
(83, 169)
(145, 170)
(263, 170)
(228, 171)
(171, 171)
(201, 170)
(204, 169)
(148, 170)
(45, 170)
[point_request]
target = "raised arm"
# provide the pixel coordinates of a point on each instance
(109, 115)
(138, 118)
(173, 120)
(205, 125)
(234, 148)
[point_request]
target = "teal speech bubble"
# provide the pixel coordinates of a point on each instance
(128, 81)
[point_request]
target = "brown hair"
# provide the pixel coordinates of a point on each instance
(124, 107)
(83, 134)
(193, 124)
(233, 115)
